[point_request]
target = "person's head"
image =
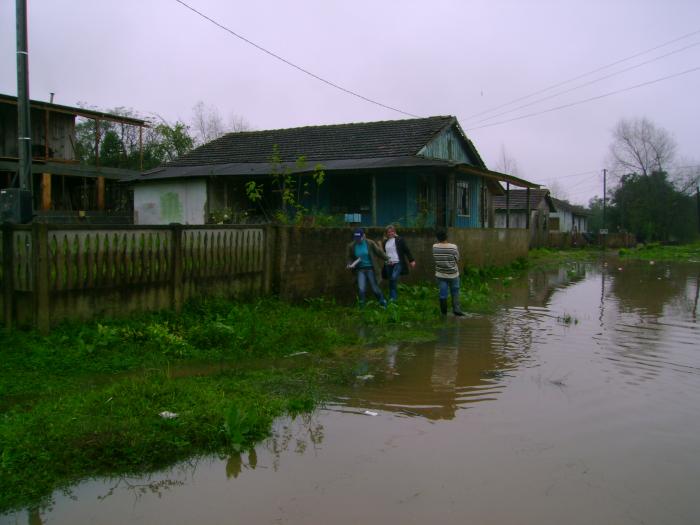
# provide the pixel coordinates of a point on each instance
(390, 231)
(358, 235)
(441, 235)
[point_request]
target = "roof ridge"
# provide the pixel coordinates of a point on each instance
(344, 124)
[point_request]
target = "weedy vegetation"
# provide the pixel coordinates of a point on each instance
(659, 252)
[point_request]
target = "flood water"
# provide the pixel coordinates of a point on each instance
(577, 402)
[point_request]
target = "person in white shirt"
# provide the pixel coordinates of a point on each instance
(400, 259)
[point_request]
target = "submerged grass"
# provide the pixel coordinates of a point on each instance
(86, 399)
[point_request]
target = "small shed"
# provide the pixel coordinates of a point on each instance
(529, 209)
(568, 218)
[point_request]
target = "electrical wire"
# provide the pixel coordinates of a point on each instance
(564, 106)
(590, 82)
(299, 68)
(495, 108)
(580, 174)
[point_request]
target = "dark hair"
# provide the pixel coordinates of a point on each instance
(441, 235)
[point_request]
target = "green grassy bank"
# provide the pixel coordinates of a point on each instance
(658, 252)
(86, 400)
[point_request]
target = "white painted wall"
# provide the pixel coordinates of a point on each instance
(567, 222)
(518, 219)
(163, 202)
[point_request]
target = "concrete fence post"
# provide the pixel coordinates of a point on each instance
(8, 274)
(176, 266)
(40, 292)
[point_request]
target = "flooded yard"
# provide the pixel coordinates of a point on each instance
(577, 401)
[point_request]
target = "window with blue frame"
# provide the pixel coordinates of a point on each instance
(463, 201)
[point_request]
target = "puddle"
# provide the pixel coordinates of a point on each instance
(577, 402)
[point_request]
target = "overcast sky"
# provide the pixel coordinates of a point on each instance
(436, 57)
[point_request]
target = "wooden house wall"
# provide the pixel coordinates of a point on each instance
(61, 133)
(473, 220)
(448, 145)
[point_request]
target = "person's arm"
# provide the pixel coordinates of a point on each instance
(378, 251)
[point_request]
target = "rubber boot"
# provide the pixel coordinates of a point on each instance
(443, 306)
(455, 306)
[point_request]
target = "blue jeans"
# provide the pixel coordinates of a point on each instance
(394, 272)
(448, 285)
(365, 275)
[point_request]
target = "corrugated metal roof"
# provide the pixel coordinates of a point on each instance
(58, 108)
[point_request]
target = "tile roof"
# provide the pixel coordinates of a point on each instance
(364, 140)
(518, 199)
(575, 209)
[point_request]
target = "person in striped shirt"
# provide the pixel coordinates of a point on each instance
(446, 256)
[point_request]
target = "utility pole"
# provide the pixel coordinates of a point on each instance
(16, 203)
(24, 127)
(604, 230)
(605, 173)
(697, 200)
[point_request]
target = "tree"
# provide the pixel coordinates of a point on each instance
(595, 217)
(506, 164)
(208, 124)
(640, 147)
(119, 144)
(652, 208)
(556, 190)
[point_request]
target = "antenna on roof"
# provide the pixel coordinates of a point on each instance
(51, 99)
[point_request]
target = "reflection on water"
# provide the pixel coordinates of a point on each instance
(577, 402)
(464, 365)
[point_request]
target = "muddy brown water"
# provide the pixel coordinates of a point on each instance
(576, 402)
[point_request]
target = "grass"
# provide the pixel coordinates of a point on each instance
(546, 257)
(658, 252)
(85, 400)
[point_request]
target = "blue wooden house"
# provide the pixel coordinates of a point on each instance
(415, 172)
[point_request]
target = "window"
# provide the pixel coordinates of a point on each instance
(463, 201)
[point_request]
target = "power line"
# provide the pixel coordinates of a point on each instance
(580, 174)
(583, 182)
(585, 74)
(564, 106)
(282, 59)
(590, 82)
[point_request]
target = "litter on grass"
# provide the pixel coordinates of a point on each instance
(168, 415)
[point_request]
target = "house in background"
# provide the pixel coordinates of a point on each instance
(528, 209)
(64, 190)
(417, 172)
(568, 218)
